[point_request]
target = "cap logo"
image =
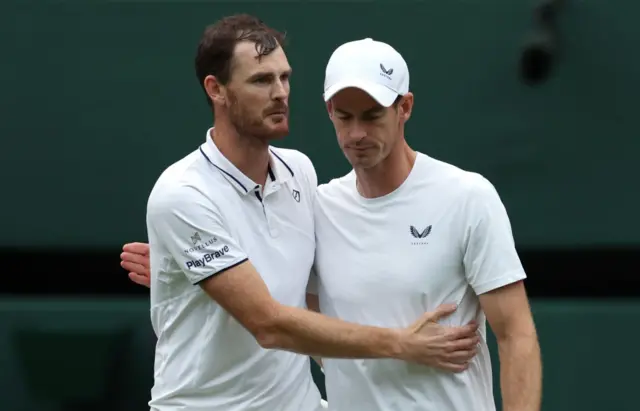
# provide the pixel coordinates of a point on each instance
(386, 73)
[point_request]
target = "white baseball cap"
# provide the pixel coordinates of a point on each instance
(372, 66)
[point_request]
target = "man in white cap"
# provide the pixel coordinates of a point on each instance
(403, 233)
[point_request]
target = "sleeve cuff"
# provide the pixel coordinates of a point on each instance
(215, 273)
(506, 279)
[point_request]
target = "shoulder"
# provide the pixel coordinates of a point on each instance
(459, 182)
(179, 186)
(337, 187)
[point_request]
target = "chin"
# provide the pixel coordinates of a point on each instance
(362, 162)
(277, 131)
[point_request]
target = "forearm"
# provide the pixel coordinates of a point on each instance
(520, 373)
(313, 304)
(313, 334)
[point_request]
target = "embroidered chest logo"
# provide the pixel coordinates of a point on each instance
(195, 238)
(296, 195)
(419, 235)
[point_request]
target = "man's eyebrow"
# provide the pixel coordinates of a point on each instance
(261, 74)
(268, 74)
(374, 110)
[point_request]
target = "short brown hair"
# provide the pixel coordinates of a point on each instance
(219, 40)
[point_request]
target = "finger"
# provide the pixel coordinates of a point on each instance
(442, 311)
(462, 344)
(135, 258)
(138, 279)
(421, 322)
(466, 331)
(461, 357)
(136, 248)
(135, 268)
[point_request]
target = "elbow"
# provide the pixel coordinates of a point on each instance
(266, 336)
(268, 332)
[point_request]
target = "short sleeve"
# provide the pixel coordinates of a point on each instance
(490, 257)
(190, 228)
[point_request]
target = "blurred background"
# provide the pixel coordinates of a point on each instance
(99, 96)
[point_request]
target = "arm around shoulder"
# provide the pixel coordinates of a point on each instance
(195, 233)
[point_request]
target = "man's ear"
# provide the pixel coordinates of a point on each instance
(329, 108)
(405, 106)
(215, 90)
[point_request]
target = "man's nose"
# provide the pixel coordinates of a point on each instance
(357, 132)
(280, 92)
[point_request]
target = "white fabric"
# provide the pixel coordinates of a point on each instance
(203, 217)
(372, 66)
(442, 237)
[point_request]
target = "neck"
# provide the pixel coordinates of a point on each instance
(248, 154)
(389, 174)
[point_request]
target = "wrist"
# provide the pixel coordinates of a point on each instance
(395, 345)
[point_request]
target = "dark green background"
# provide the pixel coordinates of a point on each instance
(99, 96)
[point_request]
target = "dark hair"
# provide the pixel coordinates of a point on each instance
(218, 42)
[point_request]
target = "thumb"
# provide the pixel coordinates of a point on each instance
(433, 316)
(443, 311)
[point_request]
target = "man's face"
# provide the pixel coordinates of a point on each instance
(367, 131)
(257, 96)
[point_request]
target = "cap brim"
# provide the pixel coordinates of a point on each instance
(382, 94)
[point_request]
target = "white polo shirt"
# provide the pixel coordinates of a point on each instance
(204, 216)
(442, 237)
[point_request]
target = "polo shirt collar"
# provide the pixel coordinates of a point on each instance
(279, 170)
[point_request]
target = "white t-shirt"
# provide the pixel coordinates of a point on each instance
(442, 237)
(203, 217)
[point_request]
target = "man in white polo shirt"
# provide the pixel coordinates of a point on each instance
(231, 236)
(403, 233)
